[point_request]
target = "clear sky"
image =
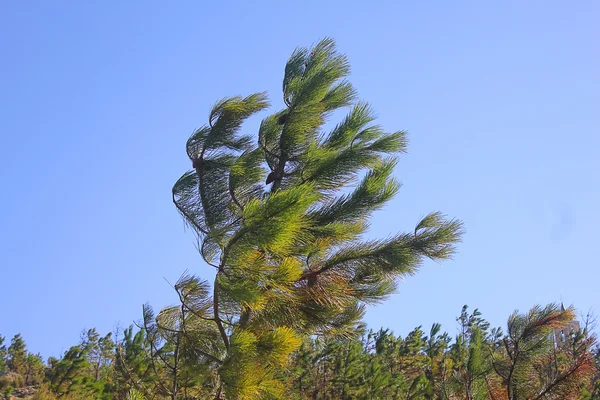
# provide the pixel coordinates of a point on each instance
(97, 98)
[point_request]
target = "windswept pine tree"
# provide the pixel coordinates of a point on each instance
(281, 218)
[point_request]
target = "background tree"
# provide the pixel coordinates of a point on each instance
(17, 355)
(89, 342)
(593, 391)
(131, 364)
(435, 370)
(104, 359)
(3, 354)
(71, 375)
(364, 365)
(469, 357)
(99, 352)
(532, 365)
(302, 369)
(288, 251)
(34, 369)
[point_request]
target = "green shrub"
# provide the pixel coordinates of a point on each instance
(7, 391)
(12, 380)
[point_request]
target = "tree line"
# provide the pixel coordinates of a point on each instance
(540, 354)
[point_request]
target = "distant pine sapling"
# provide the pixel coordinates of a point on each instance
(281, 219)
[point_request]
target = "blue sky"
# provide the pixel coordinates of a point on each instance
(501, 101)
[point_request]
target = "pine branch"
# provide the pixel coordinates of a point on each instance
(217, 316)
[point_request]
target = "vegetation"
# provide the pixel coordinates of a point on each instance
(282, 218)
(531, 360)
(288, 251)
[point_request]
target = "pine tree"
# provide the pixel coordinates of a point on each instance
(435, 351)
(34, 369)
(469, 356)
(412, 363)
(70, 374)
(132, 367)
(593, 391)
(387, 349)
(3, 355)
(376, 380)
(99, 352)
(17, 355)
(105, 357)
(302, 368)
(470, 365)
(282, 221)
(530, 364)
(89, 342)
(348, 369)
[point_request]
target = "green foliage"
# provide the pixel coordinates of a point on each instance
(468, 356)
(171, 358)
(17, 355)
(593, 391)
(533, 364)
(68, 375)
(382, 366)
(288, 253)
(3, 355)
(132, 368)
(134, 395)
(34, 369)
(7, 391)
(44, 393)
